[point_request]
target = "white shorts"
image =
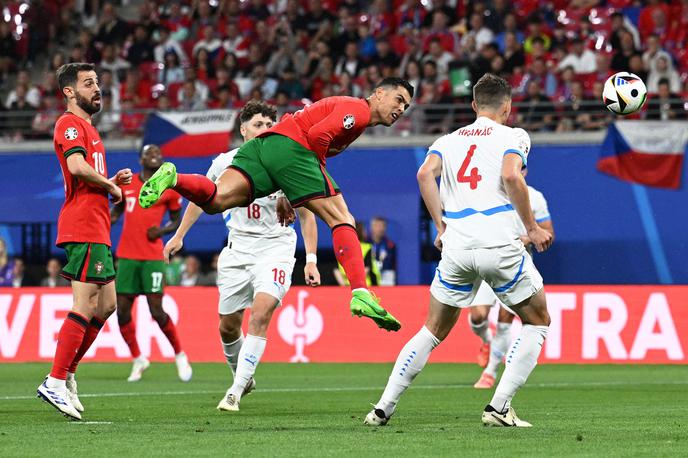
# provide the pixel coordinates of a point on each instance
(508, 270)
(484, 295)
(240, 276)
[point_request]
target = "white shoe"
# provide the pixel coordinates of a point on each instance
(229, 403)
(140, 364)
(183, 367)
(249, 387)
(507, 419)
(73, 395)
(376, 417)
(58, 398)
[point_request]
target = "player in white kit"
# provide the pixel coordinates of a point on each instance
(474, 210)
(254, 269)
(493, 348)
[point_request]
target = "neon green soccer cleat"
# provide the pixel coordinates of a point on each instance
(365, 303)
(164, 178)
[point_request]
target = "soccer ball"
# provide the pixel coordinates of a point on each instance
(624, 93)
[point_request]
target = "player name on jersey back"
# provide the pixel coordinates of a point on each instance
(476, 208)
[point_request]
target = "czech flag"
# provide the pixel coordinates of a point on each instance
(191, 133)
(645, 152)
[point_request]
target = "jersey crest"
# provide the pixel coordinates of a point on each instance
(349, 121)
(71, 133)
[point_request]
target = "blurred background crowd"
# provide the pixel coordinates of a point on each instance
(198, 54)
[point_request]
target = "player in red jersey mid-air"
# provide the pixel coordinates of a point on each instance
(140, 267)
(83, 230)
(291, 156)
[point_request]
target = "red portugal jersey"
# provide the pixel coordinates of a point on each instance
(134, 243)
(85, 214)
(327, 127)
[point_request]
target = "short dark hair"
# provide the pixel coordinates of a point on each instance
(491, 91)
(393, 81)
(254, 107)
(68, 74)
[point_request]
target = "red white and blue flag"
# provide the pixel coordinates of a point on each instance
(645, 152)
(191, 133)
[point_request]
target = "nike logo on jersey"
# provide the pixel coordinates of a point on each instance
(95, 142)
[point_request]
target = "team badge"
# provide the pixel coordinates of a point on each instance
(71, 133)
(99, 267)
(349, 121)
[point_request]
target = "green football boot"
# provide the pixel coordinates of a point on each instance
(164, 178)
(365, 303)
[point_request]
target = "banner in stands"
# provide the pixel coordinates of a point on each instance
(590, 324)
(645, 152)
(192, 133)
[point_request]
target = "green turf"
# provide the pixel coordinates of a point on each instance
(318, 410)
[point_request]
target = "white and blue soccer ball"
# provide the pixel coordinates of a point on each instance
(624, 93)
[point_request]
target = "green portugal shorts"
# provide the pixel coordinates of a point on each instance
(140, 277)
(277, 162)
(88, 263)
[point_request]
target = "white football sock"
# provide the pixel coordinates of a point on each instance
(231, 351)
(498, 347)
(520, 362)
(249, 357)
(409, 363)
(481, 330)
(56, 383)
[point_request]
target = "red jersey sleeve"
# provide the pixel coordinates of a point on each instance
(174, 201)
(70, 136)
(345, 122)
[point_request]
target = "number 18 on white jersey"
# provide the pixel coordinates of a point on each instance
(476, 208)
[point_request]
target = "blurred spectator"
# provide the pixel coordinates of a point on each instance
(349, 62)
(192, 275)
(205, 69)
(441, 5)
(536, 30)
(56, 61)
(576, 109)
(514, 57)
(164, 103)
(384, 251)
(201, 88)
(412, 73)
(173, 270)
(542, 76)
(510, 26)
(113, 62)
(371, 267)
(8, 50)
(53, 268)
(290, 84)
(663, 70)
(536, 111)
(234, 43)
(140, 49)
(385, 56)
(211, 276)
(189, 99)
(653, 52)
(496, 15)
(108, 120)
(19, 277)
(106, 83)
(439, 56)
(316, 17)
(620, 25)
(30, 93)
(483, 36)
(666, 105)
(176, 22)
(623, 54)
(582, 60)
(636, 66)
(210, 43)
(565, 88)
(597, 116)
(43, 123)
(19, 122)
(653, 18)
(111, 29)
(91, 53)
(171, 72)
(166, 45)
(603, 72)
(6, 265)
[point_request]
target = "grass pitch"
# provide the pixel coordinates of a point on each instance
(318, 410)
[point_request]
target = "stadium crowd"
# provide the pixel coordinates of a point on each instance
(198, 54)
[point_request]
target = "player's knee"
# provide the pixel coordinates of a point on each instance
(123, 316)
(230, 329)
(159, 315)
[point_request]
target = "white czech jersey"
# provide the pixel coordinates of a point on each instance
(250, 226)
(539, 205)
(476, 208)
